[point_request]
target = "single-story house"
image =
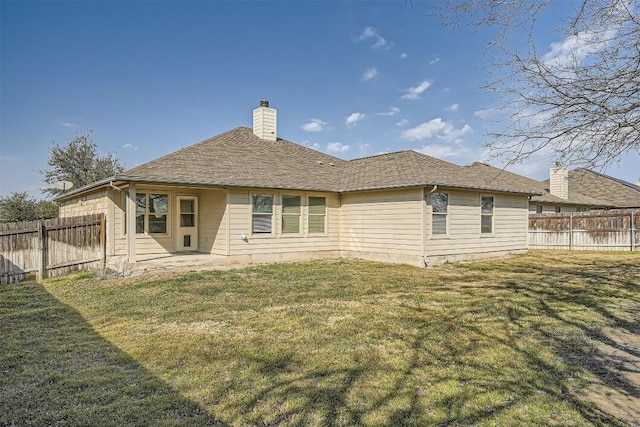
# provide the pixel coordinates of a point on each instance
(250, 196)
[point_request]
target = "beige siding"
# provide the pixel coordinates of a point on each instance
(383, 225)
(119, 226)
(464, 239)
(94, 203)
(211, 226)
(277, 243)
(212, 230)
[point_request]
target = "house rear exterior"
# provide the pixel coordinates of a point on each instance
(248, 196)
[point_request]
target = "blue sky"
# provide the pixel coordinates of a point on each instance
(350, 78)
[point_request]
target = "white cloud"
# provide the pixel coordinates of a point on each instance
(442, 151)
(436, 128)
(354, 118)
(403, 55)
(379, 42)
(414, 93)
(452, 108)
(130, 147)
(364, 150)
(308, 144)
(314, 125)
(433, 61)
(337, 147)
(392, 112)
(369, 74)
(402, 122)
(577, 47)
(68, 124)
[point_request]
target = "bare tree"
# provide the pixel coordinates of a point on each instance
(578, 100)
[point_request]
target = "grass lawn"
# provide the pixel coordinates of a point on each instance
(530, 340)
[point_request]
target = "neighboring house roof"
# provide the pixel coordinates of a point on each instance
(238, 158)
(613, 191)
(575, 197)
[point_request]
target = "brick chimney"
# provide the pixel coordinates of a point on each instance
(559, 181)
(264, 122)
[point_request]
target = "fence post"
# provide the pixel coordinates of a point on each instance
(42, 252)
(633, 233)
(571, 231)
(103, 241)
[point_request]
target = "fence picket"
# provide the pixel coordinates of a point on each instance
(602, 230)
(51, 247)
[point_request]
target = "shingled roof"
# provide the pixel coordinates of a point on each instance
(611, 191)
(238, 158)
(575, 197)
(410, 168)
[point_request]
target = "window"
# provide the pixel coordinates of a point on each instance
(291, 214)
(151, 213)
(439, 204)
(262, 217)
(317, 214)
(187, 213)
(558, 209)
(538, 208)
(486, 221)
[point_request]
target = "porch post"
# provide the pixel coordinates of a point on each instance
(131, 223)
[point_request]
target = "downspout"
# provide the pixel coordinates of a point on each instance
(424, 229)
(112, 185)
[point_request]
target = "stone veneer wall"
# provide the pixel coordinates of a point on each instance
(88, 204)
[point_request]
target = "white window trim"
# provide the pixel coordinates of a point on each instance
(309, 215)
(492, 215)
(300, 216)
(445, 214)
(125, 195)
(274, 224)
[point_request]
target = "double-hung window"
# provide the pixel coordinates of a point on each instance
(291, 214)
(486, 221)
(151, 213)
(439, 205)
(317, 214)
(262, 214)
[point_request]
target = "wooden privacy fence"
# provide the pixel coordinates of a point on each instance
(606, 230)
(52, 247)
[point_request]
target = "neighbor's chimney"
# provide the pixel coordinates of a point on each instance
(264, 122)
(559, 181)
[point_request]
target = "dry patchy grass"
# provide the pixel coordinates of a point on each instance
(511, 342)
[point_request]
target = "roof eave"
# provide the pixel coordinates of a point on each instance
(442, 184)
(85, 189)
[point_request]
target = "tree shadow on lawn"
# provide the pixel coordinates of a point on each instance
(414, 394)
(56, 370)
(610, 354)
